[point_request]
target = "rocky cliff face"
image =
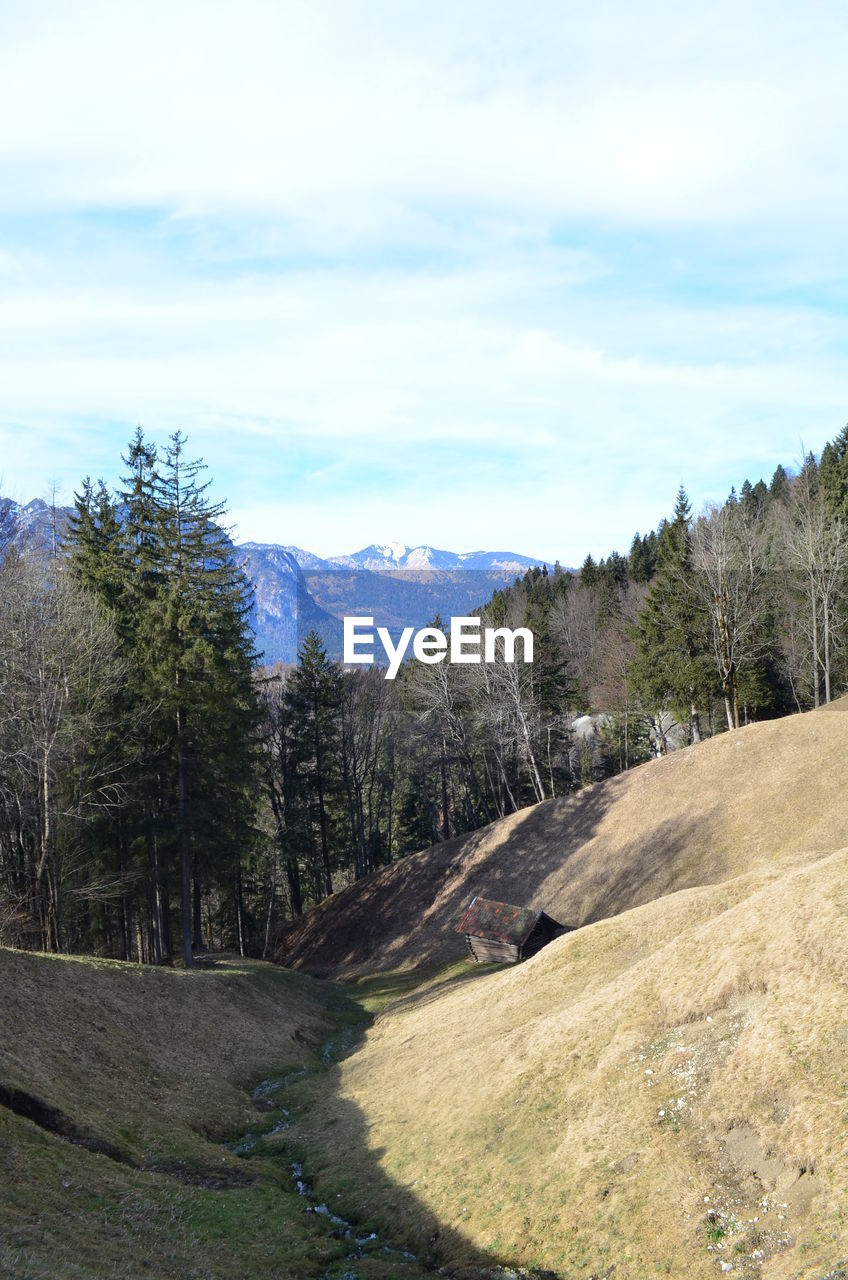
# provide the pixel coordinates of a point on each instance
(297, 591)
(31, 527)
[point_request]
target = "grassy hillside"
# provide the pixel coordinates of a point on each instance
(773, 792)
(119, 1086)
(661, 1094)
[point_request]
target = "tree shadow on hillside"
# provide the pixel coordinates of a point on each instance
(550, 856)
(649, 869)
(344, 1173)
(426, 995)
(408, 913)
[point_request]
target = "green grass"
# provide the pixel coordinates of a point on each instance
(161, 1065)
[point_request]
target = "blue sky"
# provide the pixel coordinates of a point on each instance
(439, 273)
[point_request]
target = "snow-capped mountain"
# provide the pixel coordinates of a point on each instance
(397, 584)
(296, 590)
(35, 524)
(398, 555)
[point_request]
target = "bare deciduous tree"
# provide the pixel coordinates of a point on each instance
(729, 577)
(813, 545)
(58, 676)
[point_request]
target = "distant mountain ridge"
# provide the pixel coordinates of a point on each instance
(32, 524)
(297, 591)
(381, 557)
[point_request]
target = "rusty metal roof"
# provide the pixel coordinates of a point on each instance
(500, 920)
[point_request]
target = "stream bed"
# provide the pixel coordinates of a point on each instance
(269, 1094)
(361, 1244)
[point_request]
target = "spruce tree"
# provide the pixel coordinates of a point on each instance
(671, 633)
(202, 674)
(833, 472)
(314, 696)
(589, 572)
(779, 487)
(162, 562)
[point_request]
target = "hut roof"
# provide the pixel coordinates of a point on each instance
(486, 919)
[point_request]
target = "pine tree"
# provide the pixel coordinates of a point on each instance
(671, 633)
(201, 672)
(163, 564)
(100, 561)
(760, 495)
(833, 472)
(779, 487)
(95, 534)
(314, 696)
(638, 560)
(589, 573)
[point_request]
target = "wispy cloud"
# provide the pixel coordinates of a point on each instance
(463, 274)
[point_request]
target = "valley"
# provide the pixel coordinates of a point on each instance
(661, 1092)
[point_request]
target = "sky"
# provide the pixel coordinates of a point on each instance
(477, 275)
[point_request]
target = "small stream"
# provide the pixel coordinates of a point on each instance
(344, 1230)
(267, 1093)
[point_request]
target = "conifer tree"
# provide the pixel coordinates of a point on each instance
(163, 564)
(779, 487)
(202, 670)
(833, 471)
(589, 573)
(671, 633)
(314, 695)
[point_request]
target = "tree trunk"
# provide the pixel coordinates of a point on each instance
(295, 891)
(197, 916)
(322, 811)
(272, 893)
(826, 650)
(446, 831)
(815, 631)
(185, 844)
(155, 891)
(240, 911)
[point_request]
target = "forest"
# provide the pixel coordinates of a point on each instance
(162, 793)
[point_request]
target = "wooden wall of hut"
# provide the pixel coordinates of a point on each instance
(491, 951)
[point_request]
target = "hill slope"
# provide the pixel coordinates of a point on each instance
(771, 793)
(662, 1093)
(119, 1086)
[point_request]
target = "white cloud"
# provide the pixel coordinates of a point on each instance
(414, 235)
(420, 407)
(341, 111)
(401, 356)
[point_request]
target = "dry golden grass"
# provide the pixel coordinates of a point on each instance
(176, 1050)
(772, 793)
(149, 1071)
(664, 1091)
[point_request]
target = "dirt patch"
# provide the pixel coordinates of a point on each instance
(54, 1121)
(213, 1178)
(789, 1184)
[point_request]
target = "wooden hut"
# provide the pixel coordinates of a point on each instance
(499, 932)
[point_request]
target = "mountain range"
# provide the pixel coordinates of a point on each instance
(381, 557)
(297, 591)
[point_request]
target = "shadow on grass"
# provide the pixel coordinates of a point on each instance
(649, 869)
(550, 856)
(411, 909)
(327, 1137)
(421, 987)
